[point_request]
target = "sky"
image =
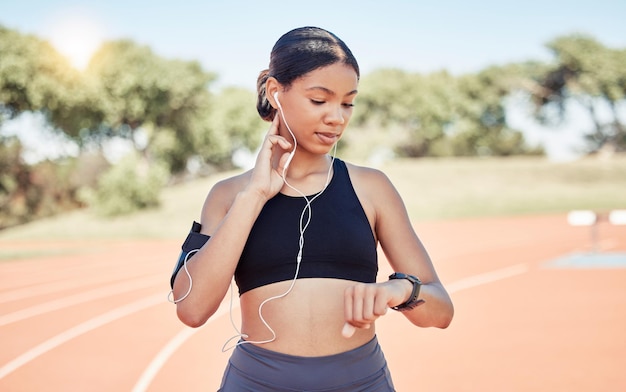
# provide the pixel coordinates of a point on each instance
(233, 38)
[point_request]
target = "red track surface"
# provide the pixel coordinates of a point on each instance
(93, 316)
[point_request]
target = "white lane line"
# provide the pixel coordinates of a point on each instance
(78, 330)
(48, 288)
(76, 299)
(488, 277)
(169, 349)
(70, 282)
(159, 360)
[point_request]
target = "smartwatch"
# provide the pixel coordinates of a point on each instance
(412, 302)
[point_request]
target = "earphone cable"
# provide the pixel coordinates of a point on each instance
(304, 224)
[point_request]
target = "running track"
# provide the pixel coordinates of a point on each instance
(93, 316)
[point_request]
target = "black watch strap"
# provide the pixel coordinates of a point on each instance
(413, 300)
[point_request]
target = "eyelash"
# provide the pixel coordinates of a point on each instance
(348, 105)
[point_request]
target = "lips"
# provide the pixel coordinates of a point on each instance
(327, 138)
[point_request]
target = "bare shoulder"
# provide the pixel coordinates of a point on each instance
(219, 200)
(368, 180)
(376, 193)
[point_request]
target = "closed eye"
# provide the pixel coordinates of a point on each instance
(347, 104)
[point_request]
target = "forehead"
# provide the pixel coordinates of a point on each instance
(339, 78)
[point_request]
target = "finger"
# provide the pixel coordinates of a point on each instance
(274, 126)
(348, 301)
(380, 305)
(284, 143)
(369, 313)
(359, 304)
(348, 330)
(269, 152)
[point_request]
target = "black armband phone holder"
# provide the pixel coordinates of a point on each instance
(194, 241)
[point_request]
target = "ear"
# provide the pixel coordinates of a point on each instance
(271, 87)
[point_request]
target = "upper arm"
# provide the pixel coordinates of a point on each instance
(392, 225)
(218, 202)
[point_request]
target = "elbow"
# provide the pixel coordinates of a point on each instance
(440, 318)
(437, 311)
(445, 318)
(191, 318)
(192, 322)
(444, 323)
(441, 322)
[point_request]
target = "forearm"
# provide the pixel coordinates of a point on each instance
(213, 266)
(437, 311)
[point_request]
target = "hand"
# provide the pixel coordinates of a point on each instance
(364, 303)
(266, 176)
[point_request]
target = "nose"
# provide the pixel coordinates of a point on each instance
(336, 115)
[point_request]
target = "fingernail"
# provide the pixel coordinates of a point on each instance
(348, 330)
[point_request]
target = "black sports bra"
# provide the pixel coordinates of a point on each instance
(338, 243)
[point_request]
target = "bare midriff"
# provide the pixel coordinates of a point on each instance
(308, 321)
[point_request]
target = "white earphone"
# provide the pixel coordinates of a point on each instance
(277, 101)
(295, 142)
(305, 219)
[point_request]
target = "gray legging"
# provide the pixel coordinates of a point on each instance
(255, 369)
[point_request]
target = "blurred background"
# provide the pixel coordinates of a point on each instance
(493, 119)
(103, 105)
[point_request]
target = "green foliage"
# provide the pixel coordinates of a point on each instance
(32, 74)
(422, 106)
(141, 90)
(87, 168)
(590, 74)
(165, 109)
(433, 189)
(484, 129)
(14, 174)
(442, 115)
(129, 186)
(166, 148)
(30, 192)
(35, 77)
(234, 124)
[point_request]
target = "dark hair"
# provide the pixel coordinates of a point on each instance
(297, 53)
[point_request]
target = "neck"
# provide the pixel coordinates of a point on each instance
(310, 177)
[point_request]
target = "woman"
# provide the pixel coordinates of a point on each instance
(299, 233)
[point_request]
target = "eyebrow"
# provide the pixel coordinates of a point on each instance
(329, 91)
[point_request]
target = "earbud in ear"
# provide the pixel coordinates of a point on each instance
(277, 101)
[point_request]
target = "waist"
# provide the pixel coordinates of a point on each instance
(307, 321)
(319, 372)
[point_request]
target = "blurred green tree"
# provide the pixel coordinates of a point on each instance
(28, 191)
(481, 127)
(148, 100)
(14, 182)
(590, 74)
(419, 106)
(167, 111)
(130, 185)
(232, 124)
(442, 115)
(35, 77)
